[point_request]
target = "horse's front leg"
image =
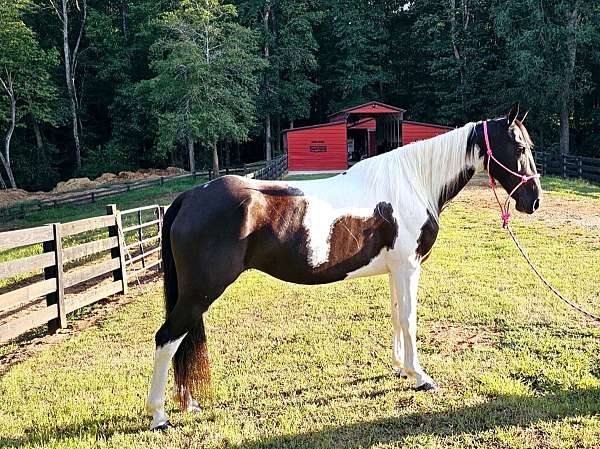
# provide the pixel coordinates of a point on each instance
(405, 279)
(397, 339)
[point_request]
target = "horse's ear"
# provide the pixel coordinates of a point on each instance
(512, 114)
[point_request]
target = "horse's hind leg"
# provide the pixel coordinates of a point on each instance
(168, 339)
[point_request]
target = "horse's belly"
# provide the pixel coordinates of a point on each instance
(376, 266)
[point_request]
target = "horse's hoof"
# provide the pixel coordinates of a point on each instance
(194, 408)
(162, 427)
(401, 374)
(427, 386)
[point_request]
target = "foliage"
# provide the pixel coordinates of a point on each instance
(206, 69)
(445, 61)
(26, 88)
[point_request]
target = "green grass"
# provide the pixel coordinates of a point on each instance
(297, 366)
(572, 188)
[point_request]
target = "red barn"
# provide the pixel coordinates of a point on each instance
(414, 131)
(351, 135)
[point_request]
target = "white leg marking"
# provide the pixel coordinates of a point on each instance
(406, 280)
(156, 397)
(398, 339)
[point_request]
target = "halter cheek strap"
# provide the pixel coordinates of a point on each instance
(504, 208)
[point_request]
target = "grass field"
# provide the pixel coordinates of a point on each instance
(307, 367)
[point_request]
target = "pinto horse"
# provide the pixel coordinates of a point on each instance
(380, 216)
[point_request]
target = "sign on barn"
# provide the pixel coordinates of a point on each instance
(353, 134)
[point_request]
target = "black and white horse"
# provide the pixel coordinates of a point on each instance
(381, 216)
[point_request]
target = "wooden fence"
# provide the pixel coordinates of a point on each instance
(568, 166)
(20, 210)
(58, 268)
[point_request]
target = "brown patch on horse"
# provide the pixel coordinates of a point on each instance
(429, 232)
(279, 243)
(355, 241)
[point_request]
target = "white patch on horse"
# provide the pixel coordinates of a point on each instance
(156, 397)
(319, 219)
(377, 265)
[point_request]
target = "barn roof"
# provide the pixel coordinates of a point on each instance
(433, 125)
(383, 108)
(300, 128)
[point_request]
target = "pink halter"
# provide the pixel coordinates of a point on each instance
(524, 179)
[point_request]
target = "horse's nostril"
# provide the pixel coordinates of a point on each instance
(536, 204)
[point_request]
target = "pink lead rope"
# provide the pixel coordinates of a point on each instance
(506, 217)
(504, 208)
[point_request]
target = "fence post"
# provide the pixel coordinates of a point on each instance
(120, 274)
(161, 217)
(56, 271)
(564, 165)
(580, 167)
(140, 236)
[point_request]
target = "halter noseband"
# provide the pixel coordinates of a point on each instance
(524, 179)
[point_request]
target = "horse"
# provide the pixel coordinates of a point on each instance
(381, 216)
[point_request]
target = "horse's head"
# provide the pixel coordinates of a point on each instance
(512, 147)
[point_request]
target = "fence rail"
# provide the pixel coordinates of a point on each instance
(59, 268)
(568, 166)
(20, 210)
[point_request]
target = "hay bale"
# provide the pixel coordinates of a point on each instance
(75, 184)
(106, 178)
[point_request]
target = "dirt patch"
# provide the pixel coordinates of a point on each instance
(555, 209)
(14, 196)
(451, 338)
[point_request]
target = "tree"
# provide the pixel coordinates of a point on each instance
(289, 47)
(546, 48)
(70, 56)
(355, 55)
(24, 75)
(206, 77)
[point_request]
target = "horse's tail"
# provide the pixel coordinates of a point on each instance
(190, 363)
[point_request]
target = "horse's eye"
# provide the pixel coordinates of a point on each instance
(520, 150)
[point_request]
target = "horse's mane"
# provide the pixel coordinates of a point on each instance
(430, 167)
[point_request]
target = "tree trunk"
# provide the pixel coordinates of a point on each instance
(228, 155)
(278, 134)
(8, 137)
(266, 54)
(567, 91)
(564, 124)
(192, 159)
(39, 141)
(215, 153)
(268, 151)
(69, 59)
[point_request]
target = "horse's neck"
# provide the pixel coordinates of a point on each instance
(437, 170)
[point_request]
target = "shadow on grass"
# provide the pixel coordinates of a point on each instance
(500, 411)
(102, 428)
